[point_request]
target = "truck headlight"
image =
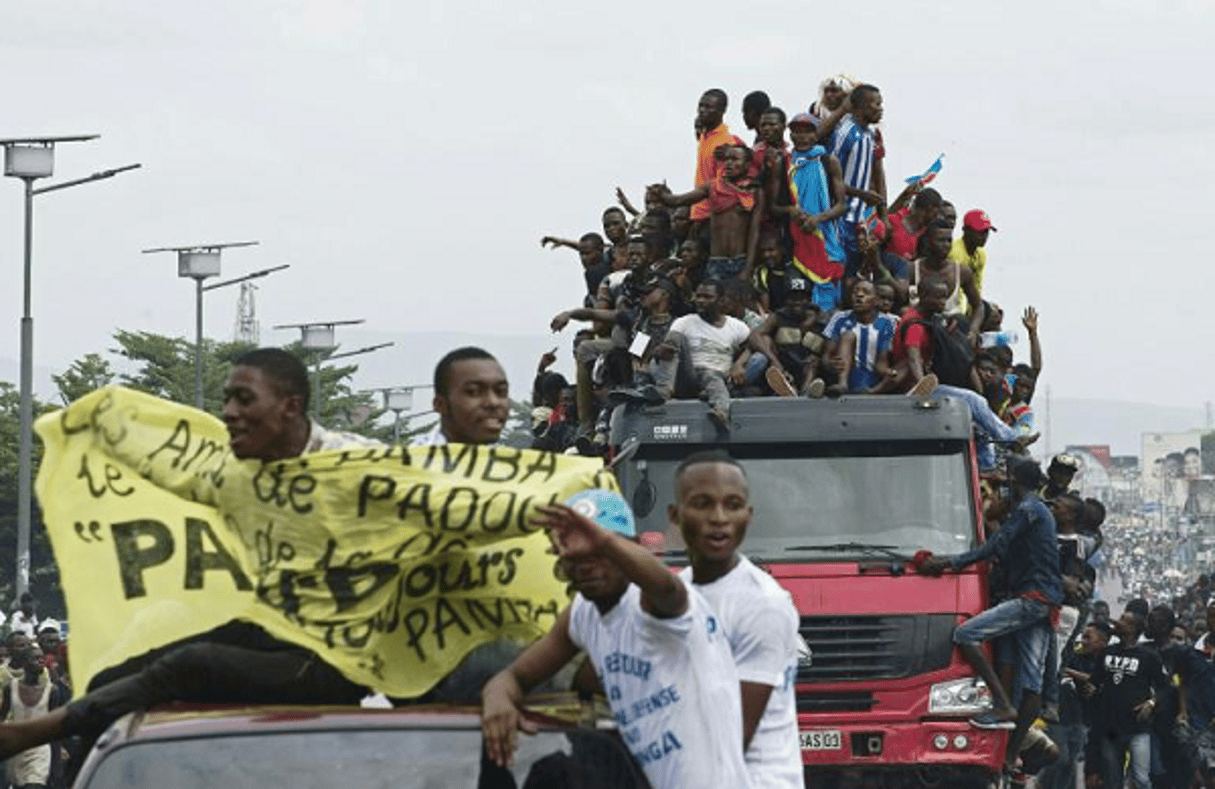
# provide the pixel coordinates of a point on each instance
(959, 697)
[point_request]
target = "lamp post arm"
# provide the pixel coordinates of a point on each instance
(101, 176)
(255, 275)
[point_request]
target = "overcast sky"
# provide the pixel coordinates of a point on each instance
(406, 157)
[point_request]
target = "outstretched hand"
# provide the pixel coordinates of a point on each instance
(933, 566)
(559, 321)
(549, 242)
(574, 535)
(1030, 319)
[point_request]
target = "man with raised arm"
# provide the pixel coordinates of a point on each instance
(661, 653)
(713, 512)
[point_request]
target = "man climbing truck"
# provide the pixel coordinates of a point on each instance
(845, 492)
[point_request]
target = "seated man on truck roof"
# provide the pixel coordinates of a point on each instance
(700, 351)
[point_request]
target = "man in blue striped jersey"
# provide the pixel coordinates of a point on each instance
(853, 145)
(858, 342)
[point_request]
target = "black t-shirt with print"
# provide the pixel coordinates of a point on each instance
(1126, 678)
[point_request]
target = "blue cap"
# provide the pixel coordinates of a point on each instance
(606, 508)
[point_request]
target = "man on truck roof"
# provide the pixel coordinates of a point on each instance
(713, 511)
(1026, 545)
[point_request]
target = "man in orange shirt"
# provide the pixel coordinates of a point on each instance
(711, 133)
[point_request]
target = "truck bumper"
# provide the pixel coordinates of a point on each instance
(915, 744)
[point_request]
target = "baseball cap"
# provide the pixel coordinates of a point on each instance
(1064, 460)
(798, 284)
(48, 624)
(606, 508)
(659, 281)
(977, 219)
(803, 119)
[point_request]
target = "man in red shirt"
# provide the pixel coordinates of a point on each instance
(711, 133)
(911, 351)
(907, 224)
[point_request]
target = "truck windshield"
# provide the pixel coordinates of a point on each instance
(820, 501)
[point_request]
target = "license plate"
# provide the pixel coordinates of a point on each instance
(828, 740)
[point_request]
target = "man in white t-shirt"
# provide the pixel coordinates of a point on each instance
(660, 653)
(760, 622)
(703, 347)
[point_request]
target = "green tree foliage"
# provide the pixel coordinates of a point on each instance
(165, 366)
(44, 575)
(87, 373)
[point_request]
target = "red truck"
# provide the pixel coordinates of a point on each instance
(845, 492)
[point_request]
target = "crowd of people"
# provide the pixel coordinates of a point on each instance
(34, 680)
(786, 270)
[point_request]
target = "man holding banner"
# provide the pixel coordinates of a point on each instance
(311, 579)
(265, 410)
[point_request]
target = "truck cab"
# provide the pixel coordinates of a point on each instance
(845, 493)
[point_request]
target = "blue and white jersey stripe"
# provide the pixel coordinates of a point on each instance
(871, 339)
(853, 145)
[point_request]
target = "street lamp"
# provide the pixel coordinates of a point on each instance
(199, 262)
(31, 158)
(318, 337)
(396, 400)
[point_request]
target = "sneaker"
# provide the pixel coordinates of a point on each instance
(721, 418)
(816, 388)
(647, 394)
(992, 720)
(779, 383)
(924, 386)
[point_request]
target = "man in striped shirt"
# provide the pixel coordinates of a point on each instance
(853, 145)
(858, 342)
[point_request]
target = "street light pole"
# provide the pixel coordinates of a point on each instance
(398, 399)
(319, 338)
(31, 158)
(199, 262)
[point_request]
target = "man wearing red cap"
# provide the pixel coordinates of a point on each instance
(969, 249)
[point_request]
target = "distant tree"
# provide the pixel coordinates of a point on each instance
(44, 574)
(87, 373)
(166, 366)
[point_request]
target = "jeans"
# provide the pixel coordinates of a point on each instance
(1027, 622)
(1113, 751)
(756, 365)
(991, 427)
(676, 377)
(1070, 740)
(213, 672)
(725, 268)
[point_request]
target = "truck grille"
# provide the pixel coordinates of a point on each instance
(835, 702)
(855, 648)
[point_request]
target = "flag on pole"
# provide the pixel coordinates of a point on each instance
(926, 177)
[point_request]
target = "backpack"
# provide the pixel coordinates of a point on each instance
(952, 356)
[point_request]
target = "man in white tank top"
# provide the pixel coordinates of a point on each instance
(761, 624)
(659, 651)
(29, 693)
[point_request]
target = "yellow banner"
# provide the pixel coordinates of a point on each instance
(390, 563)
